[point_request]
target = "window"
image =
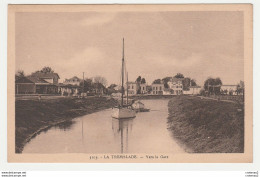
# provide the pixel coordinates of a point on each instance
(160, 87)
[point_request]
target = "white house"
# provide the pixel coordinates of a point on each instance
(132, 88)
(157, 89)
(72, 81)
(143, 88)
(176, 86)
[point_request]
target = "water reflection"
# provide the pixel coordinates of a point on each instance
(121, 129)
(99, 133)
(65, 126)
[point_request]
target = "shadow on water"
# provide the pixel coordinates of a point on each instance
(121, 129)
(65, 126)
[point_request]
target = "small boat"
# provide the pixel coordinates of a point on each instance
(124, 110)
(139, 106)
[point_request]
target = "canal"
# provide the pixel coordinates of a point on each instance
(100, 133)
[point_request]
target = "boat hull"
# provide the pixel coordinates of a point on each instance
(123, 113)
(138, 105)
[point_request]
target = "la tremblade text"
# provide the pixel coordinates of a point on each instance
(96, 157)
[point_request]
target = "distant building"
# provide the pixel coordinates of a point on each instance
(35, 85)
(176, 86)
(157, 89)
(193, 90)
(132, 88)
(68, 90)
(149, 89)
(228, 89)
(98, 89)
(167, 91)
(143, 88)
(52, 78)
(72, 81)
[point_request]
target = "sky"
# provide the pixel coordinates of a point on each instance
(157, 44)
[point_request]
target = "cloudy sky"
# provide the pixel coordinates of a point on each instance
(157, 44)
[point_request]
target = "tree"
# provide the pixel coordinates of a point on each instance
(112, 86)
(111, 89)
(87, 85)
(100, 79)
(19, 74)
(165, 81)
(212, 85)
(187, 82)
(143, 81)
(47, 69)
(193, 82)
(157, 81)
(138, 80)
(179, 75)
(240, 88)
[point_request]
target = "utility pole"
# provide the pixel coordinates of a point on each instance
(83, 85)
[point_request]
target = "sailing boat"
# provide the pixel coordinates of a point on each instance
(124, 110)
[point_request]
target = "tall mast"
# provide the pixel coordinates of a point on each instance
(123, 60)
(127, 88)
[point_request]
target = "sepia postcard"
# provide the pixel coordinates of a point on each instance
(130, 83)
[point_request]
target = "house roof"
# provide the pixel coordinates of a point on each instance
(73, 78)
(31, 79)
(37, 80)
(23, 80)
(45, 75)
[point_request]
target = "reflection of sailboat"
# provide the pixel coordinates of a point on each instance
(123, 111)
(121, 129)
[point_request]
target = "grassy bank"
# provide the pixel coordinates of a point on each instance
(207, 126)
(33, 116)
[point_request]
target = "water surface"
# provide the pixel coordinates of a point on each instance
(100, 133)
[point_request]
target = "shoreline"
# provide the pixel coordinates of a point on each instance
(33, 116)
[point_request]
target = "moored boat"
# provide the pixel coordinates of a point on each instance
(139, 106)
(123, 110)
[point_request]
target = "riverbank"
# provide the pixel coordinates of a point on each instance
(207, 126)
(151, 97)
(33, 116)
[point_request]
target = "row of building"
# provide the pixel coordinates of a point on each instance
(48, 83)
(175, 87)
